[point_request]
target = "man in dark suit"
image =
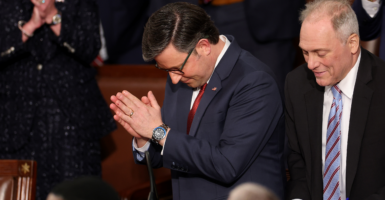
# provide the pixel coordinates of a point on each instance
(334, 110)
(222, 108)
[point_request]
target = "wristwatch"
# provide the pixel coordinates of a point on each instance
(56, 19)
(159, 133)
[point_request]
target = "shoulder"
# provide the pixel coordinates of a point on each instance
(300, 76)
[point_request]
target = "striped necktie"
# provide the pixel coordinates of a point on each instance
(333, 149)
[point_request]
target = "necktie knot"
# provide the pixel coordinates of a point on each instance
(203, 87)
(336, 92)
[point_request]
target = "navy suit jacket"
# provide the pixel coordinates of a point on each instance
(235, 136)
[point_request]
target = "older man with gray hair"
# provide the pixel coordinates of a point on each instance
(334, 110)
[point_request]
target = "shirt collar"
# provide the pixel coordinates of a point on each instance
(347, 84)
(227, 44)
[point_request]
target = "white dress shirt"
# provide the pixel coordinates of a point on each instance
(371, 7)
(347, 88)
(145, 147)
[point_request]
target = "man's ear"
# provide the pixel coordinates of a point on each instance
(354, 43)
(203, 47)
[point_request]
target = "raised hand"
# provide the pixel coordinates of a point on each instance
(142, 116)
(46, 9)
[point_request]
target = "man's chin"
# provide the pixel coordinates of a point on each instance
(322, 82)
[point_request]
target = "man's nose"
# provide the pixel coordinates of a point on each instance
(312, 62)
(175, 78)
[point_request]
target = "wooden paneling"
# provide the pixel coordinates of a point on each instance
(18, 179)
(118, 164)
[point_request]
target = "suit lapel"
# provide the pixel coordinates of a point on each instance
(221, 72)
(314, 108)
(359, 112)
(184, 102)
(205, 101)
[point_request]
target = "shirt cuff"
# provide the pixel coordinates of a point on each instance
(164, 144)
(140, 151)
(371, 7)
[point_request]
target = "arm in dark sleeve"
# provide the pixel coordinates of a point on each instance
(297, 186)
(252, 116)
(80, 33)
(12, 47)
(370, 28)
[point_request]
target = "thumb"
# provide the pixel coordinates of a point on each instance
(153, 101)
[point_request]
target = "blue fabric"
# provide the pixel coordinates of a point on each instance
(333, 148)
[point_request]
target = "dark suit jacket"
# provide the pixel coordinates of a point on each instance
(365, 171)
(235, 136)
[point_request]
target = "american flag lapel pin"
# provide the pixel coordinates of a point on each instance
(214, 88)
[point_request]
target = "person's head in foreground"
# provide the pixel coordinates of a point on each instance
(252, 191)
(329, 39)
(184, 41)
(84, 188)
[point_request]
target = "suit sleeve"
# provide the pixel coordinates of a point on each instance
(80, 33)
(253, 113)
(12, 47)
(370, 28)
(297, 186)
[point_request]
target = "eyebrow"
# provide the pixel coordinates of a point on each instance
(314, 50)
(173, 67)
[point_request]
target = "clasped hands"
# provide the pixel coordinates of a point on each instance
(138, 117)
(42, 13)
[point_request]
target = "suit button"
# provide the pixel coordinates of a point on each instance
(39, 67)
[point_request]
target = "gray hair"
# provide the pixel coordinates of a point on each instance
(343, 18)
(252, 191)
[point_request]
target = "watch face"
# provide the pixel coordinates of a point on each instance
(159, 133)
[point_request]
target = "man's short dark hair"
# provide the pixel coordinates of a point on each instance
(182, 24)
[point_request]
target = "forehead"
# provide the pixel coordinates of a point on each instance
(317, 34)
(170, 57)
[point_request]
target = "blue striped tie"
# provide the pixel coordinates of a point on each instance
(333, 149)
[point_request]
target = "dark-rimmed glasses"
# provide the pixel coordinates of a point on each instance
(176, 71)
(179, 71)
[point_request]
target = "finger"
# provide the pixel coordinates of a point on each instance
(125, 100)
(153, 101)
(114, 108)
(132, 98)
(124, 108)
(126, 126)
(125, 117)
(146, 101)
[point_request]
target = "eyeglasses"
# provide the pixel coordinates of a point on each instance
(179, 71)
(176, 71)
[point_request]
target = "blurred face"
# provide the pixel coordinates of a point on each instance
(196, 69)
(328, 58)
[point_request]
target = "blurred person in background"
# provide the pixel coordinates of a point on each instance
(370, 16)
(252, 191)
(51, 109)
(83, 188)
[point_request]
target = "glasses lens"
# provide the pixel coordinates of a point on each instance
(178, 72)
